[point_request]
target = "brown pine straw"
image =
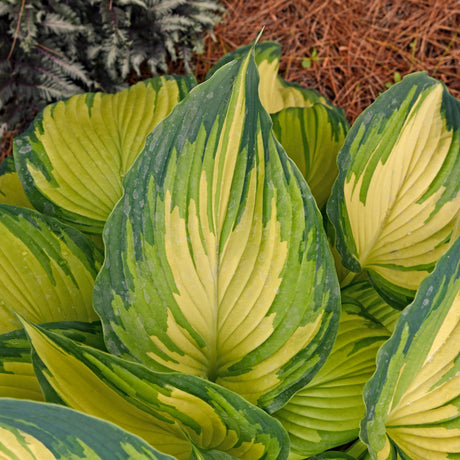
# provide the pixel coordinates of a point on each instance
(361, 45)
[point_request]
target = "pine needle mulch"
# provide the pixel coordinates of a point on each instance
(353, 49)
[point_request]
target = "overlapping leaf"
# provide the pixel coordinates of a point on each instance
(274, 92)
(413, 400)
(47, 269)
(11, 189)
(395, 202)
(174, 412)
(17, 376)
(327, 411)
(38, 431)
(217, 264)
(363, 295)
(312, 137)
(73, 157)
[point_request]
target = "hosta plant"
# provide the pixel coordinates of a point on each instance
(209, 322)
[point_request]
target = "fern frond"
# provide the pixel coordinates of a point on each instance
(51, 49)
(55, 23)
(73, 70)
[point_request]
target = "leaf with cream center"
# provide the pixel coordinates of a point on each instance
(396, 200)
(217, 263)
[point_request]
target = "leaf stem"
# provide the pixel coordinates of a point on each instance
(16, 33)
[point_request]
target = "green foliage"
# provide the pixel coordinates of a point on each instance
(50, 50)
(224, 331)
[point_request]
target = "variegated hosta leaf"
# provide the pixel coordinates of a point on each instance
(327, 411)
(74, 155)
(312, 137)
(363, 295)
(17, 376)
(395, 202)
(274, 92)
(37, 431)
(413, 400)
(172, 412)
(217, 263)
(11, 189)
(47, 269)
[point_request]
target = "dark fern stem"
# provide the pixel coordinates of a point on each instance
(52, 49)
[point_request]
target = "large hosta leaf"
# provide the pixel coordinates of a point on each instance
(327, 411)
(74, 155)
(217, 264)
(174, 412)
(47, 269)
(38, 431)
(395, 202)
(413, 400)
(17, 376)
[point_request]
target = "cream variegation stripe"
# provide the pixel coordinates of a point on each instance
(226, 155)
(22, 445)
(399, 222)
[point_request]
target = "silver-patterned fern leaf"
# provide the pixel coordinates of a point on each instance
(52, 49)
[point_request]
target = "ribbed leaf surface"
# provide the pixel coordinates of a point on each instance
(173, 412)
(47, 269)
(17, 376)
(74, 155)
(363, 295)
(413, 400)
(217, 263)
(312, 137)
(327, 411)
(38, 431)
(396, 199)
